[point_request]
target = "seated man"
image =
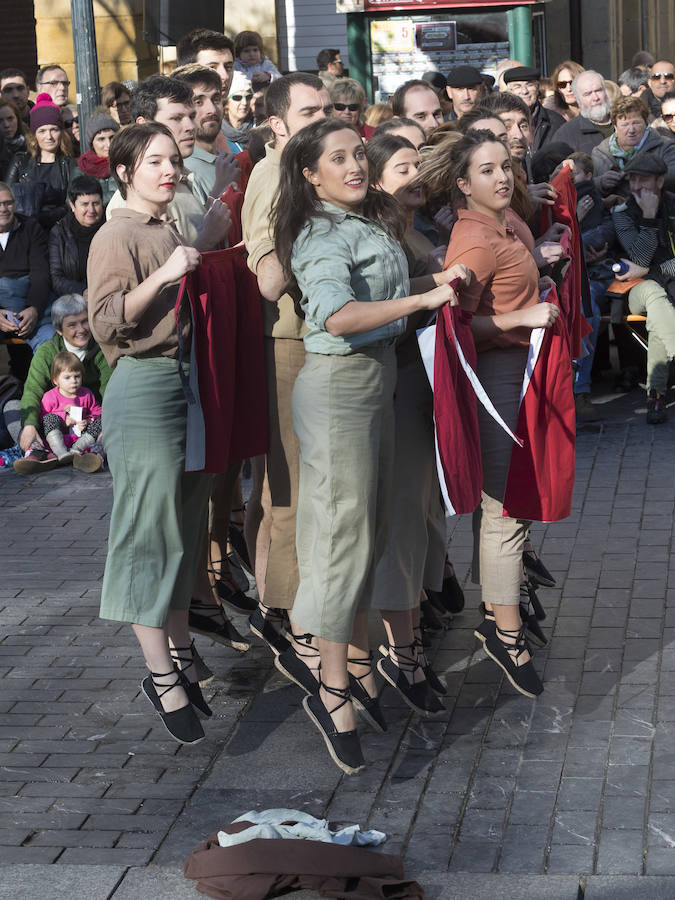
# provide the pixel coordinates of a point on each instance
(644, 228)
(24, 276)
(70, 321)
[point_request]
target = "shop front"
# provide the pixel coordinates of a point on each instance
(391, 41)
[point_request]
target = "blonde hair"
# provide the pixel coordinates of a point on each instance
(378, 113)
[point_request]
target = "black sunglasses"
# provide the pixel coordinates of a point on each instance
(352, 107)
(74, 121)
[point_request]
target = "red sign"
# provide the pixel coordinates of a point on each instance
(467, 6)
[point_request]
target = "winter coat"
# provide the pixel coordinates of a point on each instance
(580, 133)
(546, 123)
(41, 190)
(65, 265)
(654, 145)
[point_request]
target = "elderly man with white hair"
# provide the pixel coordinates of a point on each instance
(593, 124)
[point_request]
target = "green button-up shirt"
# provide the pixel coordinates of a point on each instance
(342, 258)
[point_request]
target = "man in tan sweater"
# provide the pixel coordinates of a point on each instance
(291, 102)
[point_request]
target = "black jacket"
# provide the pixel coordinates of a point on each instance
(581, 134)
(41, 190)
(69, 276)
(546, 122)
(26, 254)
(652, 102)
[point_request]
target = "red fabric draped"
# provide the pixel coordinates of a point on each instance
(455, 415)
(227, 344)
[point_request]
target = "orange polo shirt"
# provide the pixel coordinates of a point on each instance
(505, 276)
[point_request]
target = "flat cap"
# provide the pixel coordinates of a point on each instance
(435, 79)
(646, 164)
(464, 76)
(521, 73)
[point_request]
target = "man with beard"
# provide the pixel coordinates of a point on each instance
(593, 124)
(211, 171)
(169, 101)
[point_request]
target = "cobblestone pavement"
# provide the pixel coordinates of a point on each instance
(568, 796)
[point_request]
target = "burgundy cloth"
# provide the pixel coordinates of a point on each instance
(227, 340)
(564, 211)
(235, 200)
(96, 166)
(455, 413)
(245, 168)
(261, 869)
(541, 473)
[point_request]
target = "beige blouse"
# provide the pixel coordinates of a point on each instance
(123, 253)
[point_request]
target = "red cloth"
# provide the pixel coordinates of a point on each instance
(564, 211)
(227, 346)
(541, 474)
(455, 414)
(235, 200)
(245, 168)
(96, 166)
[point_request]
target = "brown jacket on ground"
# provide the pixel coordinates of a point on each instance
(261, 869)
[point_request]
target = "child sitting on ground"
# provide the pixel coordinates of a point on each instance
(249, 58)
(71, 417)
(70, 420)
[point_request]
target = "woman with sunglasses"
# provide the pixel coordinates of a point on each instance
(665, 124)
(40, 177)
(349, 102)
(238, 113)
(563, 100)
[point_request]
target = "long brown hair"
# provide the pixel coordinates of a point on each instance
(574, 68)
(65, 147)
(297, 203)
(21, 126)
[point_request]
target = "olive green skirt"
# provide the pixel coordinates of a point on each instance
(159, 514)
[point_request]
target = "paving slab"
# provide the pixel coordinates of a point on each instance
(35, 882)
(499, 796)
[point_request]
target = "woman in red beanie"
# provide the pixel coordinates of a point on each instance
(39, 178)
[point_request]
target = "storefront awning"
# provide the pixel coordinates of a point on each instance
(372, 5)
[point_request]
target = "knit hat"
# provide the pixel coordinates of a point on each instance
(45, 112)
(240, 84)
(99, 122)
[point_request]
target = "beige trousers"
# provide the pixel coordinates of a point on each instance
(498, 540)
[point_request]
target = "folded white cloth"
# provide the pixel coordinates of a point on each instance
(268, 824)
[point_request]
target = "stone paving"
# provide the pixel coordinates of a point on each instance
(569, 796)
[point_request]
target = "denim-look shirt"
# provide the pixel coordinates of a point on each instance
(339, 259)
